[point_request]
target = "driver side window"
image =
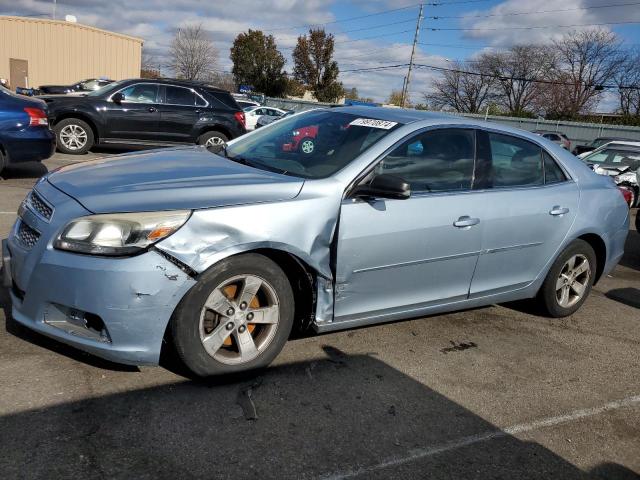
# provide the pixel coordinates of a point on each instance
(140, 93)
(434, 161)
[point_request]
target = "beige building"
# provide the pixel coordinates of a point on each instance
(36, 52)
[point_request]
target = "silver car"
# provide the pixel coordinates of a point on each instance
(395, 214)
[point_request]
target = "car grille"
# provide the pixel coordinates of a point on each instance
(39, 206)
(27, 236)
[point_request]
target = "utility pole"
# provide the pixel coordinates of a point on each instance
(405, 91)
(55, 5)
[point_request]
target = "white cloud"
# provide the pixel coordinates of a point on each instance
(498, 29)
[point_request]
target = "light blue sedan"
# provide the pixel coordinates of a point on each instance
(395, 214)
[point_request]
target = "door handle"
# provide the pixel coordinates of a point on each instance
(558, 210)
(466, 221)
(153, 109)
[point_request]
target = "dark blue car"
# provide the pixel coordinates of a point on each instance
(24, 129)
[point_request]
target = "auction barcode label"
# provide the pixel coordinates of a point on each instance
(373, 123)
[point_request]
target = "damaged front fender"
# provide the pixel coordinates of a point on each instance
(303, 227)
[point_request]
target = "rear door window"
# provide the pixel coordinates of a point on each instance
(552, 172)
(179, 96)
(506, 161)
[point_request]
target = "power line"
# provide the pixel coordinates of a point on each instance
(534, 27)
(342, 20)
(371, 69)
(472, 47)
(444, 4)
(440, 17)
(522, 79)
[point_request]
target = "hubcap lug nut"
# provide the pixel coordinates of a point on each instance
(243, 305)
(230, 312)
(250, 316)
(242, 329)
(230, 326)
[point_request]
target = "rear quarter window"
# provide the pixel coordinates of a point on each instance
(222, 100)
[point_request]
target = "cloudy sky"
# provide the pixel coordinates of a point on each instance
(369, 33)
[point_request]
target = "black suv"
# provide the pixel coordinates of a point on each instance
(145, 112)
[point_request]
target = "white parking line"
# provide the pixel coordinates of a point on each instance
(7, 213)
(482, 437)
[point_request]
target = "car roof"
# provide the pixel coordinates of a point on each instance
(619, 143)
(184, 83)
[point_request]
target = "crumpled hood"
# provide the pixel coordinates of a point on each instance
(170, 179)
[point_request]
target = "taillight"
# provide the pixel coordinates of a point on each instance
(37, 117)
(240, 118)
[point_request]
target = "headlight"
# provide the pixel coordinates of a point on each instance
(119, 233)
(625, 177)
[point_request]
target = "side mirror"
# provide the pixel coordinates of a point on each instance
(384, 186)
(117, 97)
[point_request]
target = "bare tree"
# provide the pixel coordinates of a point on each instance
(515, 71)
(192, 53)
(223, 80)
(150, 67)
(462, 88)
(627, 80)
(585, 61)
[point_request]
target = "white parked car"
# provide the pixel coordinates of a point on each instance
(251, 114)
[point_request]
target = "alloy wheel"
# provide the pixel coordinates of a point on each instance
(573, 281)
(214, 141)
(73, 137)
(239, 319)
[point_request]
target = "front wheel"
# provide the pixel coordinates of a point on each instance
(569, 281)
(236, 318)
(73, 136)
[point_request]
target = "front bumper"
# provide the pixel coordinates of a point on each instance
(114, 308)
(133, 298)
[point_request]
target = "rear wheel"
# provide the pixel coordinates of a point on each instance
(569, 281)
(237, 317)
(212, 139)
(74, 136)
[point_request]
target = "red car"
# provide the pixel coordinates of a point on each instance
(302, 139)
(627, 194)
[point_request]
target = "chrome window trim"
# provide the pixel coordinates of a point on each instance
(372, 165)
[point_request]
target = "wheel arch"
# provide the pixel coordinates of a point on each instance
(215, 128)
(80, 116)
(600, 248)
(302, 278)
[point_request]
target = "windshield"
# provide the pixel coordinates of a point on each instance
(106, 89)
(311, 145)
(615, 157)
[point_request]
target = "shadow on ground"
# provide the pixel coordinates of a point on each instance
(628, 296)
(334, 417)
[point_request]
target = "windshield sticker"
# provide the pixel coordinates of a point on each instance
(373, 123)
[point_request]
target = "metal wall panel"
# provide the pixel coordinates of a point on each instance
(60, 52)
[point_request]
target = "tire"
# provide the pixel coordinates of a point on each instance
(211, 139)
(194, 325)
(551, 297)
(67, 143)
(307, 146)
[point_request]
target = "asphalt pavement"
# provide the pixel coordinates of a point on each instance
(495, 392)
